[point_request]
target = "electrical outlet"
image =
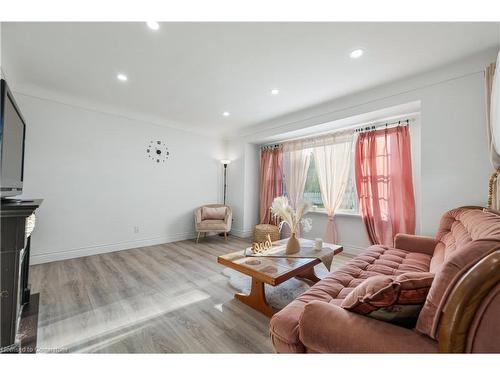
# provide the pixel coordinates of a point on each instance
(136, 229)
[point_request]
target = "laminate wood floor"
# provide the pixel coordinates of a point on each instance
(169, 298)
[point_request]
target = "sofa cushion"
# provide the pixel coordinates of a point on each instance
(331, 329)
(213, 213)
(465, 236)
(376, 260)
(394, 299)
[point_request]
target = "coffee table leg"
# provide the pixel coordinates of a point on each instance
(257, 298)
(309, 274)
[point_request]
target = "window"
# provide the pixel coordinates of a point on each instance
(313, 194)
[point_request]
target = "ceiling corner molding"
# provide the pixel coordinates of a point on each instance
(334, 109)
(68, 100)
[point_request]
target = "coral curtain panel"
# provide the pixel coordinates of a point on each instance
(384, 183)
(271, 180)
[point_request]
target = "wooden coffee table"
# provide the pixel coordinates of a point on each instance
(272, 271)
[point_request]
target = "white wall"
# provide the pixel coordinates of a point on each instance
(97, 184)
(235, 151)
(454, 165)
(243, 185)
(252, 186)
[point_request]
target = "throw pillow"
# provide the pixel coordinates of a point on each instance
(213, 213)
(394, 299)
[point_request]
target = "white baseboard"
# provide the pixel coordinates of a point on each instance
(46, 257)
(245, 233)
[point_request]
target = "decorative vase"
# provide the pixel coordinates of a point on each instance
(293, 245)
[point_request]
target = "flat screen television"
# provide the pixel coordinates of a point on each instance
(12, 133)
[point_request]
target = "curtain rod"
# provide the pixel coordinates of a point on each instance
(272, 146)
(381, 125)
(355, 129)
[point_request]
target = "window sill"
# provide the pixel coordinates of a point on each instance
(339, 213)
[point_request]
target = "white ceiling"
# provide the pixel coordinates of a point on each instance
(187, 74)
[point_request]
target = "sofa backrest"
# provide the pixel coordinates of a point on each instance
(465, 236)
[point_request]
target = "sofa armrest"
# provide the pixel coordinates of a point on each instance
(417, 244)
(327, 328)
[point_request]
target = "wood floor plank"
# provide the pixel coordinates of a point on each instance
(169, 298)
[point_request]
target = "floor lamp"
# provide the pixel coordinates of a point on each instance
(225, 163)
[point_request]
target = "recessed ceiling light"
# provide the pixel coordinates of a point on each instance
(275, 92)
(122, 77)
(153, 25)
(225, 114)
(356, 53)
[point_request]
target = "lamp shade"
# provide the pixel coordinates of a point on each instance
(225, 161)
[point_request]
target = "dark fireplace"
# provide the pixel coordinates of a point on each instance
(14, 272)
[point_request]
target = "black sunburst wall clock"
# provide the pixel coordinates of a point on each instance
(157, 151)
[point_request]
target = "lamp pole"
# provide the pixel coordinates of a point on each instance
(225, 184)
(225, 163)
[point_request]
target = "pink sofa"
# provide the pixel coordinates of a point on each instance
(461, 313)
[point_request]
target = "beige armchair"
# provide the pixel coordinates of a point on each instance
(213, 218)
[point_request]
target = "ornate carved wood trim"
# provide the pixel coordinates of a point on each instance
(492, 187)
(464, 301)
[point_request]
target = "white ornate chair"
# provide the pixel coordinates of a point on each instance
(213, 218)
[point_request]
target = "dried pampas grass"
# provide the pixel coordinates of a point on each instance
(281, 207)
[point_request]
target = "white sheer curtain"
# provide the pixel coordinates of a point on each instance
(333, 154)
(333, 159)
(492, 85)
(492, 112)
(296, 167)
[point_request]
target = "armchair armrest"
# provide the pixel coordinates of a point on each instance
(229, 215)
(197, 217)
(228, 220)
(417, 244)
(328, 328)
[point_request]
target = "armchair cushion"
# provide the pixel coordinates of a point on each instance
(212, 225)
(213, 213)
